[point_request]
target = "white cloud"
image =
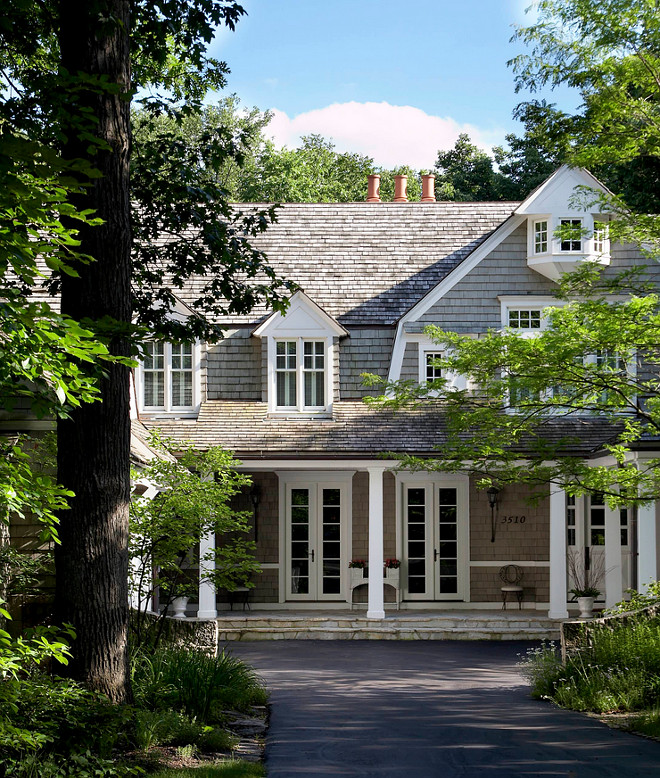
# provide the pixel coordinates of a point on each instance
(391, 134)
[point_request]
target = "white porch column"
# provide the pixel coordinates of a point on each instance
(376, 603)
(558, 608)
(613, 574)
(207, 608)
(647, 559)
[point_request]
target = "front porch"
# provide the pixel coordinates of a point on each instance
(459, 624)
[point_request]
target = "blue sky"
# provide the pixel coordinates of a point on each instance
(391, 79)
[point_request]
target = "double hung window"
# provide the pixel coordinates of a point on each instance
(300, 374)
(167, 377)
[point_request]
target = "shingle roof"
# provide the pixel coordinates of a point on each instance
(356, 430)
(368, 263)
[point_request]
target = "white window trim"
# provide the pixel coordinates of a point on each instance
(300, 409)
(526, 303)
(169, 411)
(548, 235)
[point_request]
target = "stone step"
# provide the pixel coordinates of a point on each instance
(306, 632)
(437, 624)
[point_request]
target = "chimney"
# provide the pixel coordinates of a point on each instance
(428, 188)
(400, 189)
(373, 189)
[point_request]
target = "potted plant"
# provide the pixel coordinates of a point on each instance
(359, 570)
(585, 579)
(391, 569)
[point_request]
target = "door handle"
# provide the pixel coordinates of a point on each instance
(435, 554)
(312, 555)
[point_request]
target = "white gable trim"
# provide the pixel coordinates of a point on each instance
(528, 206)
(302, 312)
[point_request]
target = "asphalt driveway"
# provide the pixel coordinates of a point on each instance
(426, 708)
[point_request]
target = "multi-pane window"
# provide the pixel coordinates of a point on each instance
(153, 375)
(286, 364)
(300, 374)
(570, 519)
(571, 234)
(525, 318)
(540, 237)
(314, 373)
(167, 376)
(597, 520)
(433, 370)
(600, 237)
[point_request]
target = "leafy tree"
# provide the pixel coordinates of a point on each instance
(464, 173)
(66, 67)
(194, 499)
(240, 131)
(312, 173)
(599, 354)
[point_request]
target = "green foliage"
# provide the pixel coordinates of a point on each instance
(638, 600)
(465, 173)
(314, 172)
(230, 769)
(525, 394)
(620, 670)
(194, 683)
(196, 490)
(53, 727)
(609, 52)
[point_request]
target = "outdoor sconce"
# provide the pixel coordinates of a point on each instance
(492, 493)
(255, 499)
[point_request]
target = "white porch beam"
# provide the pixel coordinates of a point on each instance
(647, 559)
(613, 574)
(376, 601)
(207, 608)
(558, 608)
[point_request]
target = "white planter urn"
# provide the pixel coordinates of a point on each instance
(179, 605)
(586, 606)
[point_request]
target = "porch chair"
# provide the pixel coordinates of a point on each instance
(511, 576)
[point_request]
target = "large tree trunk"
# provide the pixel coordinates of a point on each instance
(94, 445)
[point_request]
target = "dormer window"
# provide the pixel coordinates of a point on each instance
(570, 234)
(301, 358)
(541, 236)
(167, 380)
(300, 374)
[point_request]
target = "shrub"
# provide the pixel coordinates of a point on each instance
(619, 670)
(195, 683)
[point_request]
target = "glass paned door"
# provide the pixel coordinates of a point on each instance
(435, 526)
(315, 542)
(447, 555)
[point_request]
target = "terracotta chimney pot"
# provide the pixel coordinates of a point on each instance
(428, 188)
(373, 189)
(400, 189)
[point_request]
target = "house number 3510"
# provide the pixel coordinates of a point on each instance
(514, 519)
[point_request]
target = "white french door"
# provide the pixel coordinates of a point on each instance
(585, 540)
(316, 515)
(435, 538)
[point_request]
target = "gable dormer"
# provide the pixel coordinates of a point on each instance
(301, 364)
(560, 232)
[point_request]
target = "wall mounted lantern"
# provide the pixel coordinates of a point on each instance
(492, 493)
(255, 499)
